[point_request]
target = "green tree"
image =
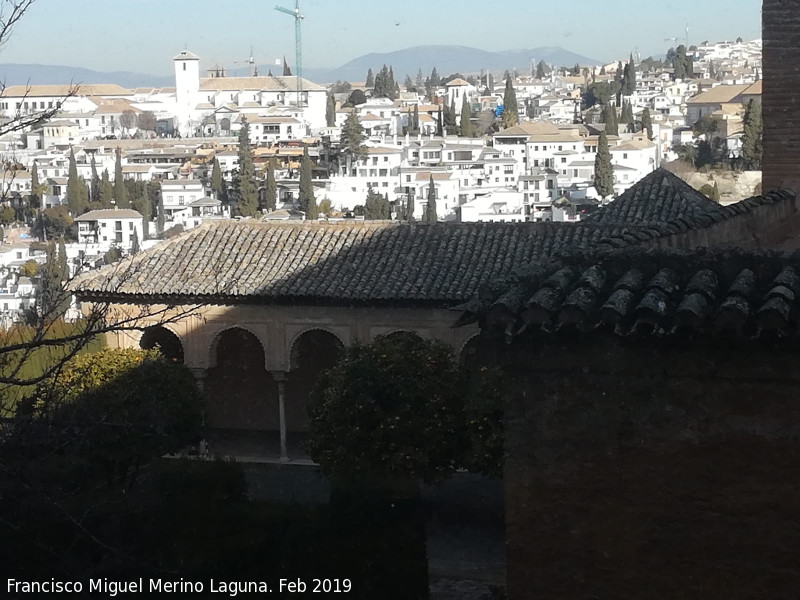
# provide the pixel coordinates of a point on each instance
(510, 109)
(29, 269)
(271, 187)
(440, 123)
(610, 118)
(120, 192)
(389, 413)
(94, 195)
(135, 242)
(37, 189)
(435, 80)
(706, 126)
(376, 207)
(330, 111)
(408, 85)
(308, 203)
(162, 216)
(430, 209)
(54, 223)
(682, 64)
(7, 215)
(106, 191)
(752, 136)
(450, 122)
(216, 179)
(603, 170)
(143, 205)
(352, 139)
(75, 199)
(541, 70)
(325, 207)
(356, 98)
(370, 79)
(466, 118)
(245, 179)
(53, 300)
(647, 123)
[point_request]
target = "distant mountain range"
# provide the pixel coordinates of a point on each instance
(16, 74)
(446, 59)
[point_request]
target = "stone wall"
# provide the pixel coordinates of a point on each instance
(651, 469)
(781, 34)
(765, 226)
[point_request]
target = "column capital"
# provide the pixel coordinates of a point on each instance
(279, 376)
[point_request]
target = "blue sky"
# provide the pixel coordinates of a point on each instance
(143, 35)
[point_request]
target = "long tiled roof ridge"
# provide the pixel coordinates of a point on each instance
(653, 292)
(337, 263)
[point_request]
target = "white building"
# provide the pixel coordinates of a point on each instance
(112, 228)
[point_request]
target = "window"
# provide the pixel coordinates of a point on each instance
(130, 226)
(624, 155)
(19, 255)
(408, 178)
(184, 66)
(103, 225)
(180, 200)
(118, 237)
(118, 225)
(563, 160)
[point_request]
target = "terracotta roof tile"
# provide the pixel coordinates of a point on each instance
(250, 261)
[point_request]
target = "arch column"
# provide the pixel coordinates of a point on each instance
(280, 379)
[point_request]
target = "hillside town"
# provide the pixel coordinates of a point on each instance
(549, 145)
(437, 322)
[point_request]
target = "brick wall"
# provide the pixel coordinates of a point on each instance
(781, 101)
(653, 469)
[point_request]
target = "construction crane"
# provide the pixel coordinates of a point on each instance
(298, 69)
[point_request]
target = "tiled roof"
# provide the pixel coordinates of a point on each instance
(720, 94)
(662, 293)
(250, 261)
(658, 198)
(121, 213)
(273, 84)
(83, 89)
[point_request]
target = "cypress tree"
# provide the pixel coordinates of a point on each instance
(74, 195)
(647, 123)
(162, 217)
(430, 210)
(216, 179)
(287, 72)
(603, 170)
(440, 124)
(541, 70)
(510, 110)
(35, 198)
(612, 128)
(391, 86)
(330, 111)
(135, 242)
(752, 136)
(715, 195)
(105, 195)
(95, 192)
(271, 188)
(466, 118)
(370, 79)
(450, 122)
(408, 84)
(352, 137)
(120, 192)
(435, 80)
(308, 203)
(245, 180)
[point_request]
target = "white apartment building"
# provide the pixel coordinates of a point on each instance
(111, 228)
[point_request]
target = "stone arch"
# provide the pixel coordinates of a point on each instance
(225, 124)
(213, 347)
(312, 352)
(401, 332)
(165, 339)
(240, 393)
(470, 354)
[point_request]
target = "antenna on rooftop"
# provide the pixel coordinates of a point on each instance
(250, 61)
